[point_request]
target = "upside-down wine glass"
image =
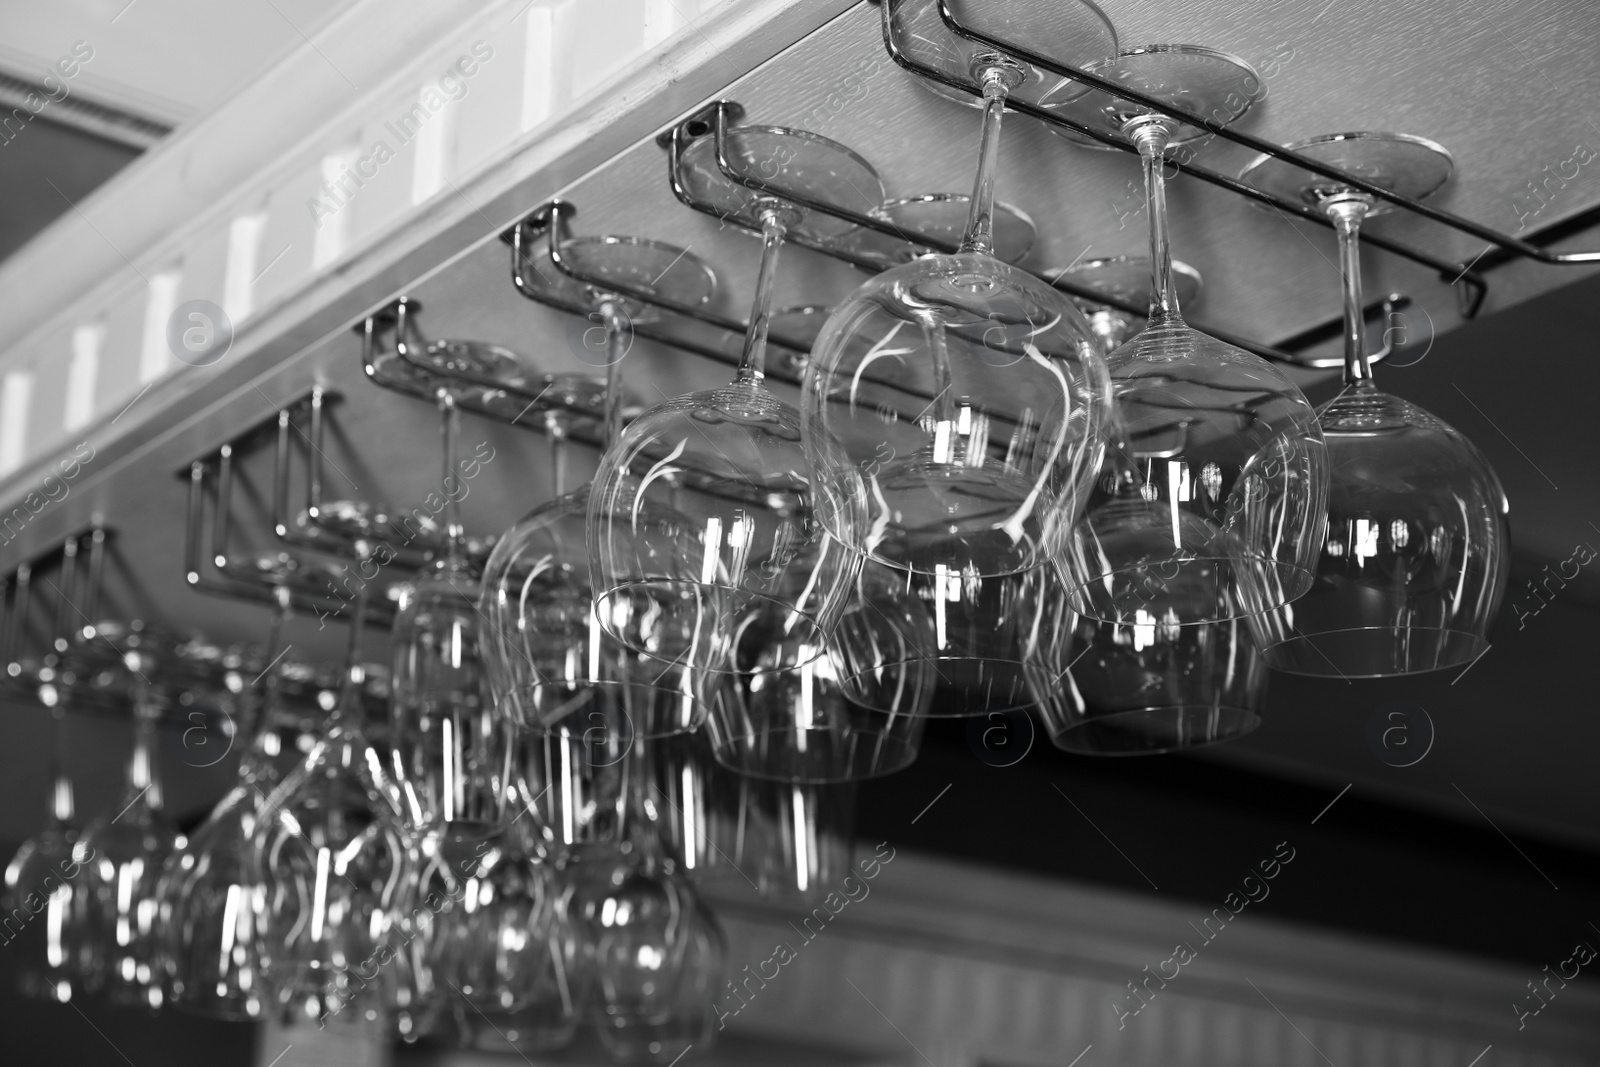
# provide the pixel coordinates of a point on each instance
(451, 756)
(761, 508)
(37, 890)
(1417, 553)
(331, 854)
(122, 851)
(38, 880)
(1211, 503)
(653, 954)
(973, 400)
(550, 664)
(208, 898)
(1143, 687)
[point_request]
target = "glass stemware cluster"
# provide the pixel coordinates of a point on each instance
(982, 502)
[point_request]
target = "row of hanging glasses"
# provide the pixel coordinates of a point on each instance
(984, 502)
(317, 889)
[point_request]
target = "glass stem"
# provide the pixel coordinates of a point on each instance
(753, 361)
(1347, 213)
(618, 338)
(349, 710)
(944, 400)
(143, 779)
(1151, 135)
(258, 726)
(449, 430)
(62, 808)
(555, 426)
(980, 217)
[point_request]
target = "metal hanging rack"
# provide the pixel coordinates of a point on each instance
(1458, 272)
(786, 360)
(713, 120)
(209, 567)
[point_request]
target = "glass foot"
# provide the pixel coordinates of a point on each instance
(1186, 77)
(1414, 167)
(803, 163)
(1076, 33)
(635, 263)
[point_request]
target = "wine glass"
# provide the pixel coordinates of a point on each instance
(1210, 506)
(1076, 32)
(450, 755)
(486, 930)
(761, 508)
(803, 839)
(38, 880)
(653, 953)
(485, 377)
(331, 855)
(547, 657)
(207, 897)
(1125, 278)
(1151, 685)
(114, 902)
(939, 217)
(1418, 545)
(973, 401)
(799, 724)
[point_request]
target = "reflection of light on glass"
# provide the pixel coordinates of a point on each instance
(691, 831)
(1176, 469)
(802, 850)
(55, 920)
(1365, 543)
(941, 575)
(319, 896)
(650, 957)
(713, 545)
(941, 442)
(1399, 533)
(805, 713)
(1144, 630)
(230, 919)
(448, 731)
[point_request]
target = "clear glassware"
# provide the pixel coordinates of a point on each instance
(488, 936)
(485, 377)
(801, 840)
(1077, 32)
(39, 879)
(331, 854)
(114, 902)
(1149, 686)
(547, 656)
(800, 724)
(653, 954)
(759, 505)
(1210, 506)
(940, 217)
(1418, 548)
(1126, 278)
(208, 899)
(974, 402)
(450, 757)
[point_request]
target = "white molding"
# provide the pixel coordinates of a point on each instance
(1006, 968)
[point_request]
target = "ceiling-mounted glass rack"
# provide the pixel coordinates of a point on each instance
(1455, 273)
(713, 121)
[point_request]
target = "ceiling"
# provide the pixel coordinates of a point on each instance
(152, 65)
(1513, 740)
